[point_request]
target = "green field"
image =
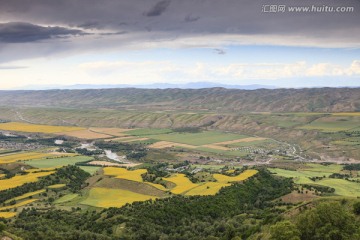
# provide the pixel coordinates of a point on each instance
(57, 162)
(342, 187)
(198, 139)
(333, 124)
(302, 176)
(90, 169)
(148, 131)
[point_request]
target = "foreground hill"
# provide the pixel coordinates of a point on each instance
(213, 99)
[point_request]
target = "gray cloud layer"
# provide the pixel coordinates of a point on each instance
(152, 21)
(18, 32)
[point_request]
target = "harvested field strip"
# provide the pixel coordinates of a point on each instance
(125, 174)
(85, 134)
(241, 177)
(183, 184)
(26, 195)
(26, 127)
(20, 204)
(7, 214)
(105, 197)
(165, 144)
(19, 180)
(22, 157)
(248, 139)
(213, 146)
(209, 188)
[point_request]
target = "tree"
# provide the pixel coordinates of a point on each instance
(284, 230)
(328, 221)
(2, 227)
(356, 207)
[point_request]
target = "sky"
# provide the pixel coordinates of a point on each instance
(283, 43)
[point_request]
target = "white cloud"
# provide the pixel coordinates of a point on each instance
(199, 71)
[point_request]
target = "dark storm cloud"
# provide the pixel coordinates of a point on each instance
(20, 32)
(158, 8)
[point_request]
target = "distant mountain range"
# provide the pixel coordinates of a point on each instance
(192, 85)
(175, 99)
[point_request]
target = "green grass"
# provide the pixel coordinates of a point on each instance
(67, 198)
(89, 169)
(198, 139)
(57, 162)
(148, 131)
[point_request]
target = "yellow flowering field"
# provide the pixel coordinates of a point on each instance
(123, 173)
(22, 157)
(26, 195)
(7, 214)
(241, 177)
(106, 197)
(27, 127)
(20, 204)
(19, 180)
(55, 186)
(183, 184)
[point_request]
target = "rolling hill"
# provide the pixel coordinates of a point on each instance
(208, 99)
